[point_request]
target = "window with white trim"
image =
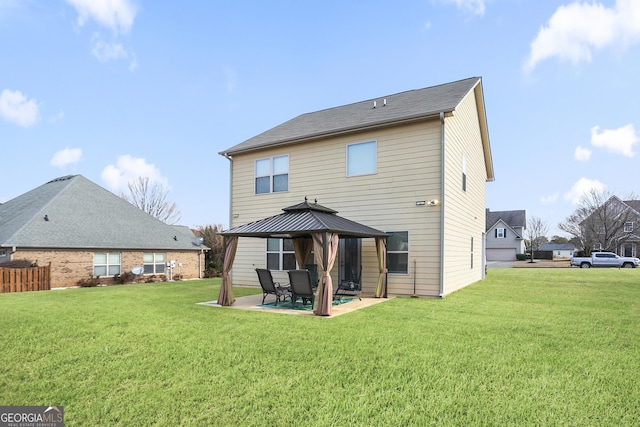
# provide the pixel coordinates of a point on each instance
(106, 263)
(272, 175)
(154, 263)
(398, 252)
(628, 227)
(501, 233)
(280, 254)
(362, 158)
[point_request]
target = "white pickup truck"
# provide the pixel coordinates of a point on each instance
(605, 259)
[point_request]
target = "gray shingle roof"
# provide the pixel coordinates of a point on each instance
(304, 219)
(404, 106)
(74, 212)
(511, 218)
(557, 247)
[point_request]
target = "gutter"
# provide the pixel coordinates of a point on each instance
(442, 205)
(230, 158)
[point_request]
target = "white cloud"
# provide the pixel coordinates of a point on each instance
(474, 6)
(546, 200)
(582, 154)
(575, 30)
(619, 140)
(117, 15)
(582, 187)
(107, 51)
(66, 157)
(16, 108)
(127, 169)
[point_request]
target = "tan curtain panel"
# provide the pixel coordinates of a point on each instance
(326, 250)
(225, 297)
(303, 247)
(381, 250)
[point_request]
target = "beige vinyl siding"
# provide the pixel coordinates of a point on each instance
(408, 170)
(464, 211)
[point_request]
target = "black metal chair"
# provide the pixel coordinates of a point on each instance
(301, 286)
(269, 287)
(350, 287)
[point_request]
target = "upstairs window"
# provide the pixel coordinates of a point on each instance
(272, 175)
(362, 158)
(628, 227)
(501, 233)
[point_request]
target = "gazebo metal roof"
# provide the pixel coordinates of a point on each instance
(304, 219)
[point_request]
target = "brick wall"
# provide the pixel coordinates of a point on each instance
(69, 266)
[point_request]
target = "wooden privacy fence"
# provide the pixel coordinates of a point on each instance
(25, 279)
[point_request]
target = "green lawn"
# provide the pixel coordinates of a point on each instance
(523, 347)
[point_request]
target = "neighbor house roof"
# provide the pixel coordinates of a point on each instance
(511, 218)
(557, 247)
(389, 110)
(74, 212)
(301, 220)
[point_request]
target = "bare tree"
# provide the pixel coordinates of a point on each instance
(537, 230)
(215, 256)
(599, 221)
(151, 197)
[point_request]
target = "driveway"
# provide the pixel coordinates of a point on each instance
(499, 264)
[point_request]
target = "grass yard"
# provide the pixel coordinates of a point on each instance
(523, 347)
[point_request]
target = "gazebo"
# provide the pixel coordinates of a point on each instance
(312, 227)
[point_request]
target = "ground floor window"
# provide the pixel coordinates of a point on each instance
(398, 252)
(106, 263)
(154, 263)
(280, 254)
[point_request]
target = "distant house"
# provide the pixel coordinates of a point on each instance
(84, 231)
(560, 250)
(613, 227)
(412, 164)
(505, 234)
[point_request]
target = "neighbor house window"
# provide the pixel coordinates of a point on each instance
(628, 227)
(106, 263)
(280, 254)
(272, 175)
(501, 233)
(154, 263)
(362, 158)
(398, 252)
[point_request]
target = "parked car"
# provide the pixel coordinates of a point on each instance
(605, 259)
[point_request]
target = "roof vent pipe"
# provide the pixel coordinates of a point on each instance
(374, 104)
(384, 102)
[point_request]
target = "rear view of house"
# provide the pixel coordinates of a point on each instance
(413, 165)
(84, 230)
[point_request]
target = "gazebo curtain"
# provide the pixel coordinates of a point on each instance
(225, 297)
(381, 250)
(302, 247)
(326, 250)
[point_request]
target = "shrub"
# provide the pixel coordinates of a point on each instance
(522, 257)
(121, 279)
(91, 282)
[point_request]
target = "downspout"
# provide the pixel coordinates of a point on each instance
(230, 158)
(442, 204)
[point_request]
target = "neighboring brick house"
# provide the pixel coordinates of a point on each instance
(413, 164)
(505, 234)
(84, 230)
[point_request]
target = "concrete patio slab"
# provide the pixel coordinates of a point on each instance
(254, 303)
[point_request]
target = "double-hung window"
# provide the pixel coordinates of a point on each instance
(272, 175)
(154, 263)
(628, 227)
(280, 254)
(398, 252)
(106, 263)
(501, 233)
(362, 158)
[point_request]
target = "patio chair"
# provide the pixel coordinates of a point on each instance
(301, 286)
(269, 287)
(313, 271)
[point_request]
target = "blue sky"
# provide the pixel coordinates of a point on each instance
(114, 89)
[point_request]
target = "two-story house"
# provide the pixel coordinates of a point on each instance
(505, 234)
(613, 227)
(412, 164)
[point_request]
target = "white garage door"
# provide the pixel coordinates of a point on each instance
(501, 254)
